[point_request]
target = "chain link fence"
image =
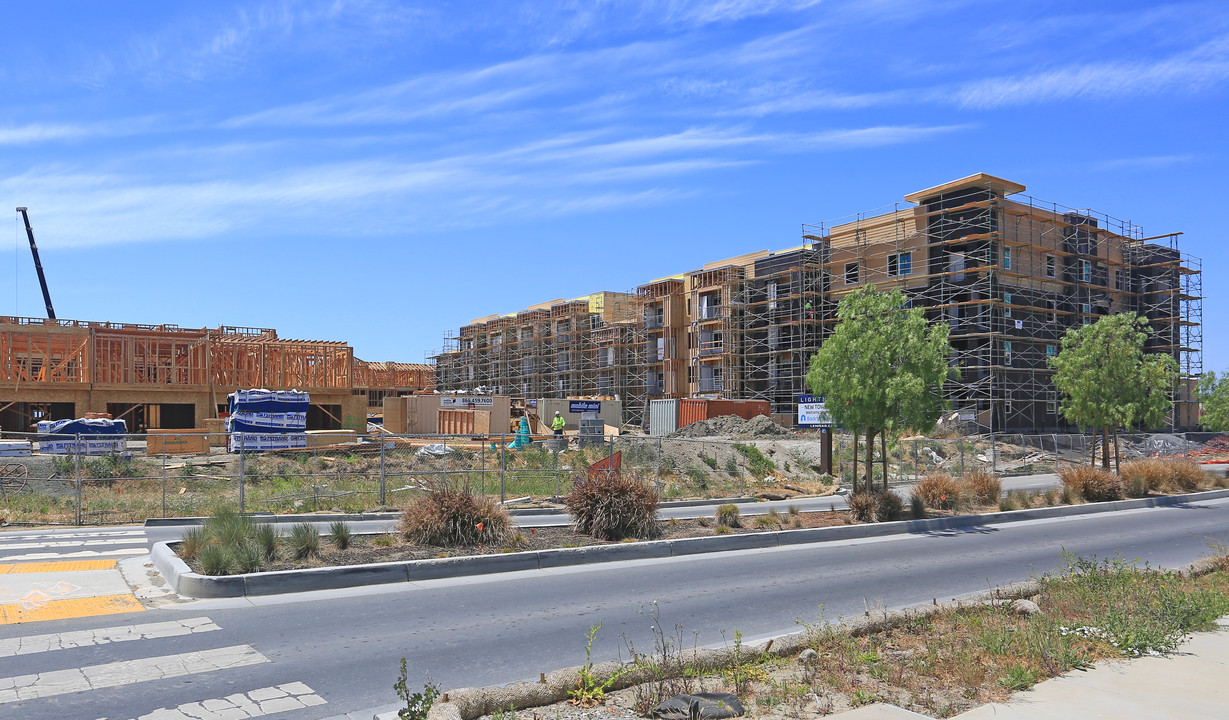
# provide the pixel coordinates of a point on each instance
(58, 481)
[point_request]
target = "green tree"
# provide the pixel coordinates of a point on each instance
(1214, 402)
(1107, 380)
(882, 369)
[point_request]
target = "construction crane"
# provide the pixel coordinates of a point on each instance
(38, 265)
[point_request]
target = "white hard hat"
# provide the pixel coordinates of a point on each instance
(556, 412)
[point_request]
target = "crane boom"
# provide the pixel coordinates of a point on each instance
(38, 265)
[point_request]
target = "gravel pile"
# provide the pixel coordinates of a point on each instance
(732, 426)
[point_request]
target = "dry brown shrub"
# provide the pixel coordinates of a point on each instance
(450, 516)
(862, 507)
(1186, 476)
(611, 506)
(982, 486)
(1151, 473)
(938, 490)
(1092, 483)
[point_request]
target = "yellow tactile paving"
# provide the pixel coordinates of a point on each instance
(61, 566)
(72, 608)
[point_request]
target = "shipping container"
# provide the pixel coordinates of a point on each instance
(663, 416)
(696, 409)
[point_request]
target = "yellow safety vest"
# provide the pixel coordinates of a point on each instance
(557, 423)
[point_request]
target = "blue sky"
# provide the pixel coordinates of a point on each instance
(382, 172)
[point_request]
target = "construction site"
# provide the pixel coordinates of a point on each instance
(1008, 273)
(168, 377)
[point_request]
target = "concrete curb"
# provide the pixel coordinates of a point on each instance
(186, 582)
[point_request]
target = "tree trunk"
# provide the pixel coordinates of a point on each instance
(855, 461)
(1105, 447)
(1117, 456)
(883, 443)
(870, 459)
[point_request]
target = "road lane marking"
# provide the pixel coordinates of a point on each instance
(47, 567)
(31, 644)
(264, 701)
(125, 672)
(38, 607)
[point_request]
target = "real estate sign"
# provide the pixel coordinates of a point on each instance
(812, 412)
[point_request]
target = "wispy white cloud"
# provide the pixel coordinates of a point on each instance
(1149, 162)
(1199, 69)
(38, 132)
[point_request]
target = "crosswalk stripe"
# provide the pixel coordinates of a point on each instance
(264, 701)
(69, 543)
(80, 554)
(13, 614)
(31, 644)
(66, 566)
(125, 672)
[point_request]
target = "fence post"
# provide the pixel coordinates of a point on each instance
(242, 469)
(556, 455)
(659, 451)
(1055, 452)
(917, 470)
(383, 471)
(77, 474)
(482, 465)
(164, 479)
(742, 473)
(960, 444)
(503, 467)
(994, 455)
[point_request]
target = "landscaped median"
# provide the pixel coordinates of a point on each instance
(188, 583)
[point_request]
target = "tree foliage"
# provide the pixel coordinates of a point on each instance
(1108, 382)
(1214, 401)
(883, 367)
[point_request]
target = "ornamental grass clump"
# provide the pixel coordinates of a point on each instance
(450, 515)
(938, 490)
(304, 541)
(1186, 476)
(609, 506)
(1145, 476)
(1092, 484)
(982, 486)
(727, 515)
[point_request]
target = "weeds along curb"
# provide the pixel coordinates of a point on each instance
(470, 703)
(185, 582)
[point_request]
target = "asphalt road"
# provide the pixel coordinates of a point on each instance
(345, 645)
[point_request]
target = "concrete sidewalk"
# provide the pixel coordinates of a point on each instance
(1188, 685)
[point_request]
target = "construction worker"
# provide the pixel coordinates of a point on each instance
(557, 424)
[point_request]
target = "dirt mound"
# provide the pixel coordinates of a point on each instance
(732, 426)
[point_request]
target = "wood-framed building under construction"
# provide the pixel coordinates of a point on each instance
(1008, 273)
(168, 377)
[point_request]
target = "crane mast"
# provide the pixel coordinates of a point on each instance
(38, 265)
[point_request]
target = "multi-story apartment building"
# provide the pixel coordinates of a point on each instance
(1008, 273)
